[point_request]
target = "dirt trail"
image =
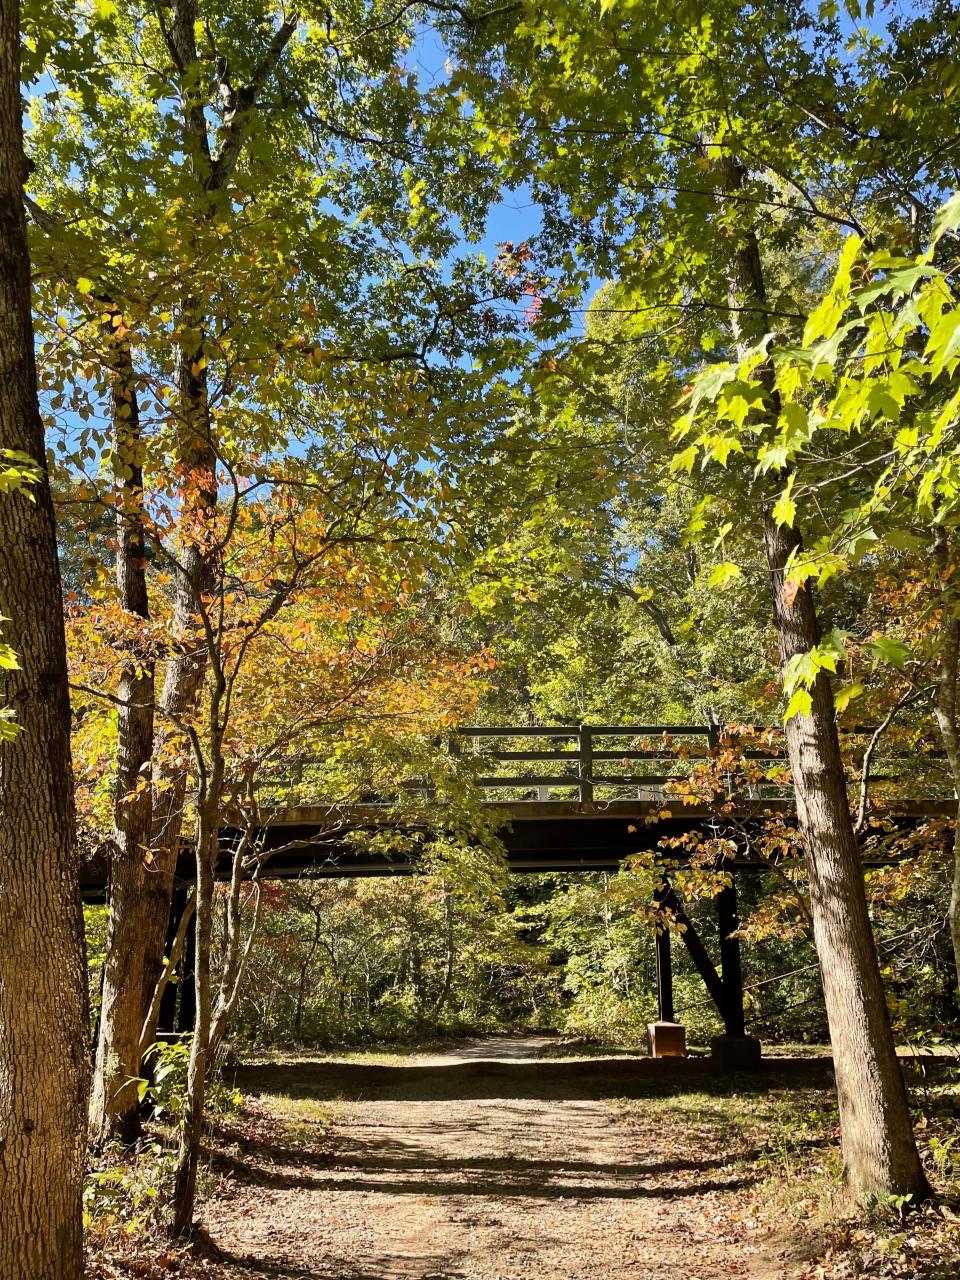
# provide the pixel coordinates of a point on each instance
(414, 1184)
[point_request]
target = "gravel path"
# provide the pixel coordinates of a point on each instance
(414, 1184)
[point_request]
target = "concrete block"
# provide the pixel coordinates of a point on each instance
(667, 1040)
(735, 1053)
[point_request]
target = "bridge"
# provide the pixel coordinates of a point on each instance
(595, 795)
(583, 798)
(573, 798)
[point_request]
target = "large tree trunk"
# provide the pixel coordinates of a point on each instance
(148, 818)
(114, 1112)
(945, 710)
(185, 669)
(183, 680)
(879, 1148)
(195, 570)
(43, 1017)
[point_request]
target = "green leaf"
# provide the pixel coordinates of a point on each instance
(684, 460)
(720, 447)
(904, 540)
(944, 341)
(8, 659)
(947, 217)
(889, 651)
(8, 724)
(709, 385)
(799, 705)
(721, 575)
(785, 509)
(894, 285)
(21, 472)
(823, 320)
(846, 693)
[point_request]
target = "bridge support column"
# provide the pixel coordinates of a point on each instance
(187, 1005)
(178, 1004)
(665, 1037)
(665, 1011)
(734, 1050)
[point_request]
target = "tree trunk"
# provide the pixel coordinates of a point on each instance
(188, 1152)
(115, 1109)
(43, 1015)
(879, 1148)
(195, 569)
(945, 711)
(178, 699)
(210, 170)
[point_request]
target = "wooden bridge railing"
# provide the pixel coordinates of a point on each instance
(586, 763)
(590, 754)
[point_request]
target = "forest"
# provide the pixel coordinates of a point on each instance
(479, 639)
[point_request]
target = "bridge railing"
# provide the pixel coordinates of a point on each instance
(588, 763)
(604, 761)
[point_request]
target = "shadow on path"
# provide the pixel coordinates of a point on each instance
(488, 1164)
(549, 1080)
(386, 1156)
(526, 1181)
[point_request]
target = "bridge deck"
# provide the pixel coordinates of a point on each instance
(319, 841)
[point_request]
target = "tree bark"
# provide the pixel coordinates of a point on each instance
(879, 1148)
(115, 1108)
(188, 1151)
(945, 710)
(43, 1015)
(195, 570)
(183, 680)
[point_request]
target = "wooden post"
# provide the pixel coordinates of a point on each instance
(585, 765)
(730, 967)
(167, 1016)
(665, 1037)
(187, 1010)
(665, 1010)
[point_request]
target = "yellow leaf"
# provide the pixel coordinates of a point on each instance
(799, 705)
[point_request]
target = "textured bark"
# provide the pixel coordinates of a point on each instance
(879, 1149)
(183, 680)
(945, 710)
(114, 1109)
(43, 1029)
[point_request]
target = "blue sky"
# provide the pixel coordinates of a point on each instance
(517, 216)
